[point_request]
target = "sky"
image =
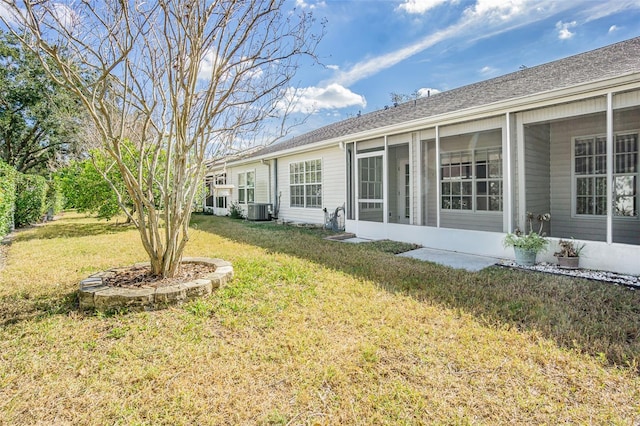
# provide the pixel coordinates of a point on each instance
(373, 48)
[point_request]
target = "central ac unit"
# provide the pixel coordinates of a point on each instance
(258, 211)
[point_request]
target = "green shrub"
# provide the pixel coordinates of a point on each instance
(55, 198)
(31, 199)
(7, 197)
(235, 211)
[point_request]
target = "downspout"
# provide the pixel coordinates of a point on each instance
(276, 198)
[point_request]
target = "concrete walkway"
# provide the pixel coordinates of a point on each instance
(469, 262)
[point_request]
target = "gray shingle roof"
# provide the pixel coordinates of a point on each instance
(606, 62)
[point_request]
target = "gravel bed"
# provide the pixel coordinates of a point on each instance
(630, 281)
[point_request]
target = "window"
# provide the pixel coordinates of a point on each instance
(221, 202)
(246, 187)
(625, 176)
(471, 180)
(305, 184)
(221, 179)
(590, 173)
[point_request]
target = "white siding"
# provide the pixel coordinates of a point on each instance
(625, 100)
(537, 169)
(587, 106)
(399, 139)
(262, 179)
(369, 144)
(333, 184)
(472, 126)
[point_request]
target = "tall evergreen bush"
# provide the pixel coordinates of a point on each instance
(31, 199)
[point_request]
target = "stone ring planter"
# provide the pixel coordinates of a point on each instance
(94, 294)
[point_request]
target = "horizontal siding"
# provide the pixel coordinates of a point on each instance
(333, 185)
(399, 139)
(473, 221)
(427, 134)
(625, 100)
(537, 169)
(472, 126)
(470, 141)
(368, 144)
(572, 109)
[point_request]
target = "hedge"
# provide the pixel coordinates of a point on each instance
(7, 197)
(31, 199)
(55, 197)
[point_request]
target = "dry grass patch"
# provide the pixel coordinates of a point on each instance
(294, 339)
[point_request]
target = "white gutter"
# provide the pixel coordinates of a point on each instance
(596, 88)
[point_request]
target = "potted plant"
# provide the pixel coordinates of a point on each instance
(568, 254)
(526, 246)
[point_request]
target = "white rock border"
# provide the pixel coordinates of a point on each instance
(630, 281)
(95, 294)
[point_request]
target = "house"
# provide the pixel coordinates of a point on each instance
(459, 169)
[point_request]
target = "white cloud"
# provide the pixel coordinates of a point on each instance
(488, 70)
(333, 67)
(207, 65)
(427, 91)
(600, 9)
(422, 6)
(500, 10)
(9, 15)
(312, 99)
(484, 19)
(613, 28)
(372, 66)
(563, 29)
(309, 5)
(65, 16)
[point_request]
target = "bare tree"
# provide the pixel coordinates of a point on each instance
(167, 83)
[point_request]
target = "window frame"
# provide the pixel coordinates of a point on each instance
(244, 187)
(470, 172)
(615, 196)
(306, 177)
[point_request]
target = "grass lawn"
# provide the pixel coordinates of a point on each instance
(309, 332)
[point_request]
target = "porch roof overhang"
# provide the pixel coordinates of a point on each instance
(622, 83)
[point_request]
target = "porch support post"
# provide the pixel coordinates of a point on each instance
(418, 198)
(609, 168)
(385, 183)
(438, 177)
(356, 181)
(522, 200)
(506, 173)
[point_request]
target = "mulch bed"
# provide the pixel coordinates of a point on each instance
(141, 277)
